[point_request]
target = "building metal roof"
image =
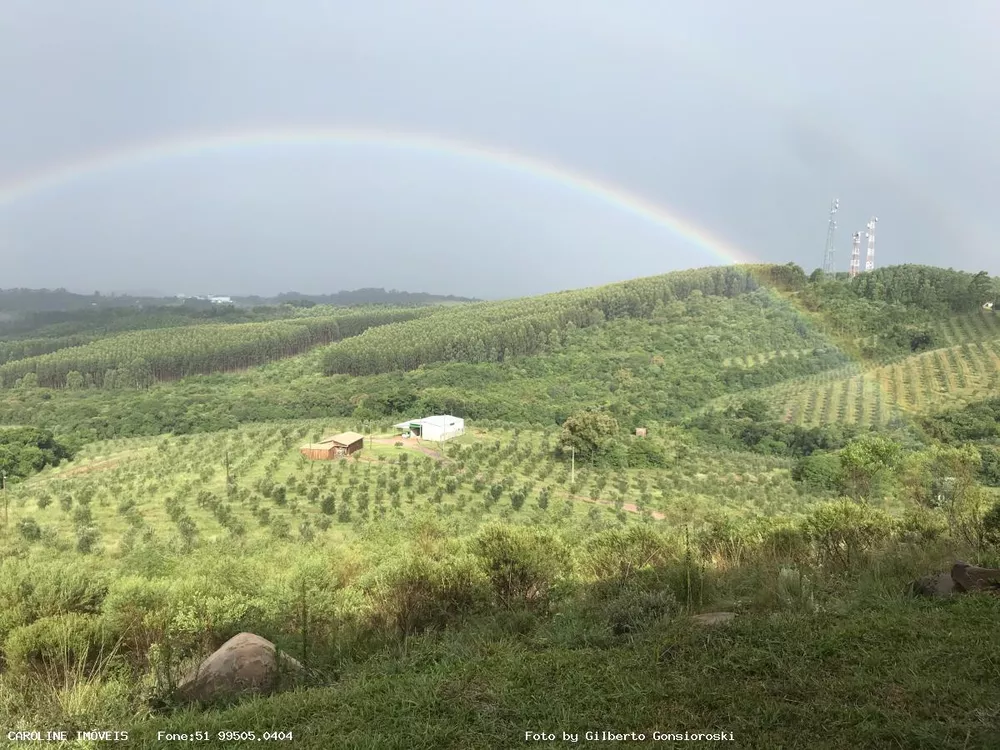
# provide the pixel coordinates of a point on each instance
(344, 438)
(435, 421)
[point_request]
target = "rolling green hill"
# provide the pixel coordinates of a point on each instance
(812, 446)
(141, 358)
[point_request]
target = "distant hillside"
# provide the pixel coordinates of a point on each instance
(855, 353)
(368, 296)
(60, 300)
(29, 301)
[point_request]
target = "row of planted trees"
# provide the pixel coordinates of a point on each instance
(138, 359)
(493, 332)
(210, 476)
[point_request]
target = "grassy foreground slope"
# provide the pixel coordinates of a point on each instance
(867, 676)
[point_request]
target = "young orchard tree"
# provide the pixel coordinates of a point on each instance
(329, 505)
(517, 498)
(86, 539)
(306, 532)
(280, 528)
(188, 531)
(543, 498)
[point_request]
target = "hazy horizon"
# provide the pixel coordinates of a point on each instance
(742, 123)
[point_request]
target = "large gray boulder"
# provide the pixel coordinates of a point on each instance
(246, 664)
(971, 578)
(939, 584)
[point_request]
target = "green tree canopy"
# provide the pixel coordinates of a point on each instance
(867, 463)
(592, 433)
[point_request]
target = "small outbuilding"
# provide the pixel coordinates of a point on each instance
(344, 444)
(439, 427)
(640, 432)
(317, 451)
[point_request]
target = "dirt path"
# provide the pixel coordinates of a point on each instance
(109, 463)
(627, 507)
(412, 444)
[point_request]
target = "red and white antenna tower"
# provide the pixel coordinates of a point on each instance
(855, 255)
(870, 234)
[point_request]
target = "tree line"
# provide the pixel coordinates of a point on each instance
(497, 331)
(140, 358)
(936, 289)
(26, 450)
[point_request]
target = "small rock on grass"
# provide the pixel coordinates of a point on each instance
(714, 618)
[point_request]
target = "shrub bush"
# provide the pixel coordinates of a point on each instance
(521, 564)
(631, 608)
(846, 532)
(137, 608)
(416, 593)
(818, 471)
(643, 453)
(989, 470)
(29, 529)
(991, 526)
(58, 642)
(921, 525)
(617, 555)
(53, 588)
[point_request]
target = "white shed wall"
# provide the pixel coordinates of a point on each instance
(438, 429)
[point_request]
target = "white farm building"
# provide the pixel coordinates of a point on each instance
(440, 427)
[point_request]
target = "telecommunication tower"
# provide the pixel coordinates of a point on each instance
(870, 234)
(831, 228)
(855, 255)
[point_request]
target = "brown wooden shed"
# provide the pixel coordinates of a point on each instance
(346, 443)
(330, 448)
(317, 451)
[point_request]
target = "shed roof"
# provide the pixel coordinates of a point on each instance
(344, 438)
(316, 447)
(435, 421)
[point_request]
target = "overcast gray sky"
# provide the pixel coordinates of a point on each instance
(743, 118)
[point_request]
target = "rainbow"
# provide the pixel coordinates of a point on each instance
(211, 143)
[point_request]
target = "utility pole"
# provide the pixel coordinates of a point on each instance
(870, 234)
(831, 228)
(3, 488)
(572, 464)
(855, 255)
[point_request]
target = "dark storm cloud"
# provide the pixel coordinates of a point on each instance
(746, 118)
